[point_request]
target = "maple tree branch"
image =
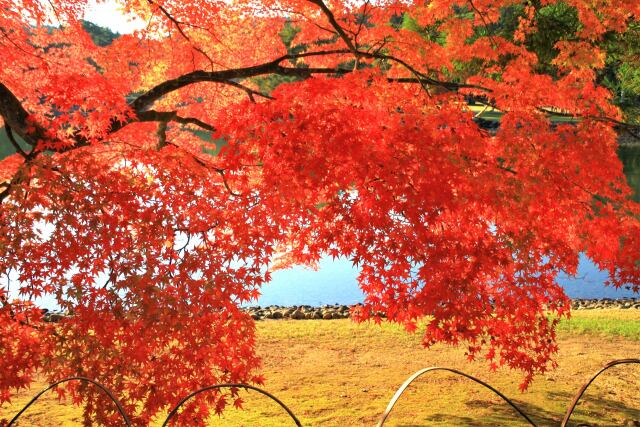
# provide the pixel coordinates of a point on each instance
(249, 91)
(13, 142)
(362, 21)
(178, 25)
(175, 22)
(218, 170)
(308, 20)
(5, 193)
(313, 53)
(194, 121)
(223, 76)
(630, 128)
(162, 134)
(446, 85)
(484, 21)
(578, 116)
(16, 117)
(164, 117)
(332, 20)
(172, 116)
(5, 35)
(225, 183)
(229, 76)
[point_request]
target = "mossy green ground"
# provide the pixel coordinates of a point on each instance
(337, 373)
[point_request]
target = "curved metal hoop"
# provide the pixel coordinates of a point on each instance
(421, 372)
(82, 379)
(174, 411)
(384, 417)
(584, 388)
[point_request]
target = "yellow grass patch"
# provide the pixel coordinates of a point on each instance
(337, 373)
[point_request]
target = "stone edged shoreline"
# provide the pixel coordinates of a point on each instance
(340, 311)
(300, 312)
(606, 303)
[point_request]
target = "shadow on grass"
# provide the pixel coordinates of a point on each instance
(600, 412)
(501, 415)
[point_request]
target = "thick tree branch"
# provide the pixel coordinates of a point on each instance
(273, 67)
(194, 121)
(13, 142)
(16, 117)
(5, 192)
(162, 134)
(172, 116)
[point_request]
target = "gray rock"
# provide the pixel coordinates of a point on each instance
(298, 315)
(54, 317)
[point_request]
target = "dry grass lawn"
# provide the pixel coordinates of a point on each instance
(337, 373)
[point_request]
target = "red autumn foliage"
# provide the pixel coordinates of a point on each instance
(124, 215)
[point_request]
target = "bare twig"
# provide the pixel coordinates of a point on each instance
(363, 18)
(486, 24)
(250, 92)
(332, 20)
(226, 184)
(178, 25)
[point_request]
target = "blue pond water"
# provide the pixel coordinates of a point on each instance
(335, 282)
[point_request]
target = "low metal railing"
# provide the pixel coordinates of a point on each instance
(174, 411)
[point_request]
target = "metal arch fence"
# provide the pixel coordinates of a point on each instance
(174, 411)
(296, 421)
(421, 372)
(584, 388)
(127, 422)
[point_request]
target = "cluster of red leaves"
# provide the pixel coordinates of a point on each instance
(153, 270)
(152, 243)
(438, 226)
(21, 348)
